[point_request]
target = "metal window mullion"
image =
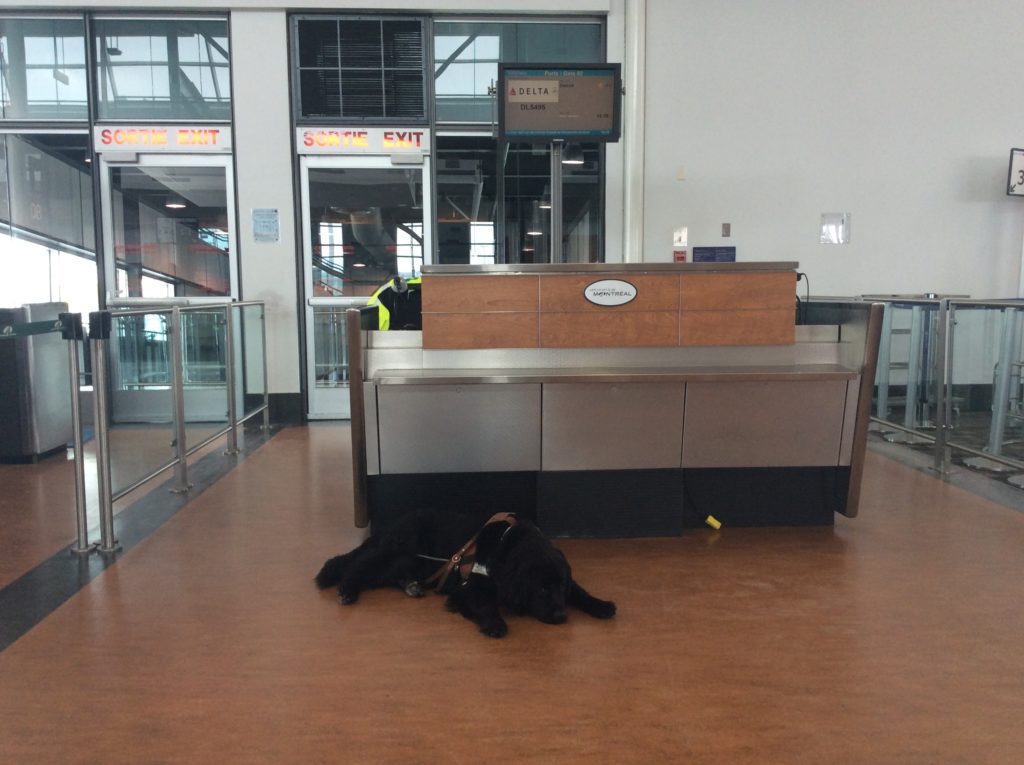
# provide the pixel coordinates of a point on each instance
(213, 69)
(383, 91)
(341, 88)
(173, 71)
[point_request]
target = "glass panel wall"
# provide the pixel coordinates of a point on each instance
(466, 56)
(47, 237)
(42, 69)
(476, 226)
(162, 69)
(494, 199)
(467, 198)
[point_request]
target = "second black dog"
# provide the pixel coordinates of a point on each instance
(510, 564)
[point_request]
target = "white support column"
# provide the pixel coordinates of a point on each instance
(263, 163)
(633, 125)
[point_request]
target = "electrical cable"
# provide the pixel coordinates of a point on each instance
(807, 294)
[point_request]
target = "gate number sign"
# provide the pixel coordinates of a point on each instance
(1015, 181)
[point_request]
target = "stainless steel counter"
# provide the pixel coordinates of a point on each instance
(778, 373)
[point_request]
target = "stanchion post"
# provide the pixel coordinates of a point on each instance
(71, 330)
(181, 484)
(99, 338)
(266, 380)
(944, 391)
(229, 377)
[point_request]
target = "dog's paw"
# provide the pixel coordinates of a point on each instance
(347, 598)
(496, 629)
(603, 609)
(414, 589)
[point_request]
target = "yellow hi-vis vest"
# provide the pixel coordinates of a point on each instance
(383, 314)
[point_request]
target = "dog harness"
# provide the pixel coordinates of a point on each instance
(465, 558)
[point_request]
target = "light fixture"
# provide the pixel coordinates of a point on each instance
(534, 228)
(175, 203)
(113, 50)
(358, 265)
(572, 154)
(61, 77)
(545, 198)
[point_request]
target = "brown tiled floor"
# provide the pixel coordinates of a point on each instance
(892, 638)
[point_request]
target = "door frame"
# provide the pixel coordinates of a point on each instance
(315, 400)
(110, 160)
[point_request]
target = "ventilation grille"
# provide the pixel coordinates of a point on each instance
(361, 69)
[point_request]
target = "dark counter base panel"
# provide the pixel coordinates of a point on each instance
(622, 503)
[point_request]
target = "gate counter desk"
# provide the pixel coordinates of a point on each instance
(614, 400)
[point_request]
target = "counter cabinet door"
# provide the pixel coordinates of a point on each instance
(458, 428)
(764, 424)
(612, 426)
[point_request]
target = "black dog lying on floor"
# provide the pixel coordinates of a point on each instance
(508, 563)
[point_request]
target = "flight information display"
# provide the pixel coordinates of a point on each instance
(572, 103)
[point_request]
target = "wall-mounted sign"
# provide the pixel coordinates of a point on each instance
(560, 102)
(162, 138)
(266, 224)
(362, 140)
(1015, 181)
(714, 254)
(609, 292)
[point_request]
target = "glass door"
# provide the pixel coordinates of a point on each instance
(168, 238)
(168, 228)
(364, 221)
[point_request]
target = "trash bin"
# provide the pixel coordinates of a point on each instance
(35, 406)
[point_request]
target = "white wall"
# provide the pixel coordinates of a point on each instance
(900, 112)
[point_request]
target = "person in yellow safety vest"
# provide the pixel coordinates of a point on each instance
(399, 304)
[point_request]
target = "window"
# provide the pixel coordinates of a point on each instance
(494, 200)
(466, 56)
(163, 69)
(170, 230)
(47, 242)
(360, 69)
(488, 214)
(42, 69)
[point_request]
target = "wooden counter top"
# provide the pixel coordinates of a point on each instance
(462, 269)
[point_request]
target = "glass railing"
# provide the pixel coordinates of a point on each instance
(985, 381)
(330, 352)
(176, 379)
(250, 359)
(950, 380)
(140, 420)
(909, 374)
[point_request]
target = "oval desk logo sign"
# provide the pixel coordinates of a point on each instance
(609, 292)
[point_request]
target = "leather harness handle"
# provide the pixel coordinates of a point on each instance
(439, 577)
